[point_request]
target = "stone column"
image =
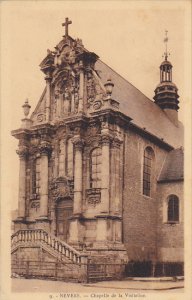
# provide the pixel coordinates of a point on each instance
(81, 88)
(62, 158)
(78, 174)
(22, 152)
(45, 150)
(105, 172)
(48, 97)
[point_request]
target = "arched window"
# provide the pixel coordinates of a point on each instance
(70, 158)
(147, 170)
(36, 176)
(173, 209)
(95, 168)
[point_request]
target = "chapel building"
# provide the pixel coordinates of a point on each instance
(101, 170)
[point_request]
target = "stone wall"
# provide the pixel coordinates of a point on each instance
(98, 212)
(36, 262)
(139, 211)
(170, 236)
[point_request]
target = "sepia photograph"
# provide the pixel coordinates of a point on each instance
(96, 150)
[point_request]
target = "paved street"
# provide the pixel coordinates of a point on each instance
(48, 286)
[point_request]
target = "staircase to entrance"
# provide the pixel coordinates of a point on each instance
(35, 253)
(31, 248)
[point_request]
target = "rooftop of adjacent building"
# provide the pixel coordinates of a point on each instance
(173, 166)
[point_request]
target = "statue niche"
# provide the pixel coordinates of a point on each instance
(95, 93)
(66, 94)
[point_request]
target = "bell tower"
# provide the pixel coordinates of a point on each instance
(166, 96)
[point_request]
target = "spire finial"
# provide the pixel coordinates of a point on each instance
(66, 25)
(166, 54)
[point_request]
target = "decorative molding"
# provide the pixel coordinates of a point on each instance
(94, 200)
(93, 141)
(104, 122)
(116, 142)
(93, 131)
(77, 130)
(23, 142)
(95, 93)
(22, 152)
(45, 148)
(61, 187)
(78, 142)
(93, 196)
(34, 141)
(34, 196)
(40, 117)
(97, 104)
(33, 150)
(35, 204)
(106, 138)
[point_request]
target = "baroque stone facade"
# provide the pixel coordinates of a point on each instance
(90, 161)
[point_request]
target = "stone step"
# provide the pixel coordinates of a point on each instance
(99, 278)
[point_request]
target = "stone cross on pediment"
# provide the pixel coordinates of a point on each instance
(66, 25)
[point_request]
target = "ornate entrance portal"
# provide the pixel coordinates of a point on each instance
(64, 210)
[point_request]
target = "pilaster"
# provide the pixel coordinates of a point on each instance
(45, 150)
(105, 172)
(81, 86)
(78, 174)
(102, 221)
(22, 152)
(115, 176)
(62, 158)
(76, 228)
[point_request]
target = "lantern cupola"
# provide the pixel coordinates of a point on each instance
(166, 96)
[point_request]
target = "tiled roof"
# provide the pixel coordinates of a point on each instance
(144, 112)
(173, 166)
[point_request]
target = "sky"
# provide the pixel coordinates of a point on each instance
(126, 35)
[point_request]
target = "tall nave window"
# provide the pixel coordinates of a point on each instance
(147, 171)
(95, 168)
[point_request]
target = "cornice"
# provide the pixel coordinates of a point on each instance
(164, 181)
(112, 117)
(151, 137)
(38, 129)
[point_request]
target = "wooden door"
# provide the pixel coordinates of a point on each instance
(64, 211)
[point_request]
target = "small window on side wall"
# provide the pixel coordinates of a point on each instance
(173, 209)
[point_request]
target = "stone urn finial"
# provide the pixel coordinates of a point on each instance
(26, 108)
(109, 86)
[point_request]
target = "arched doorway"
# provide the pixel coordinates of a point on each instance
(64, 210)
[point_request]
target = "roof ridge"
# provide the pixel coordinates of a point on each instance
(147, 98)
(127, 81)
(39, 102)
